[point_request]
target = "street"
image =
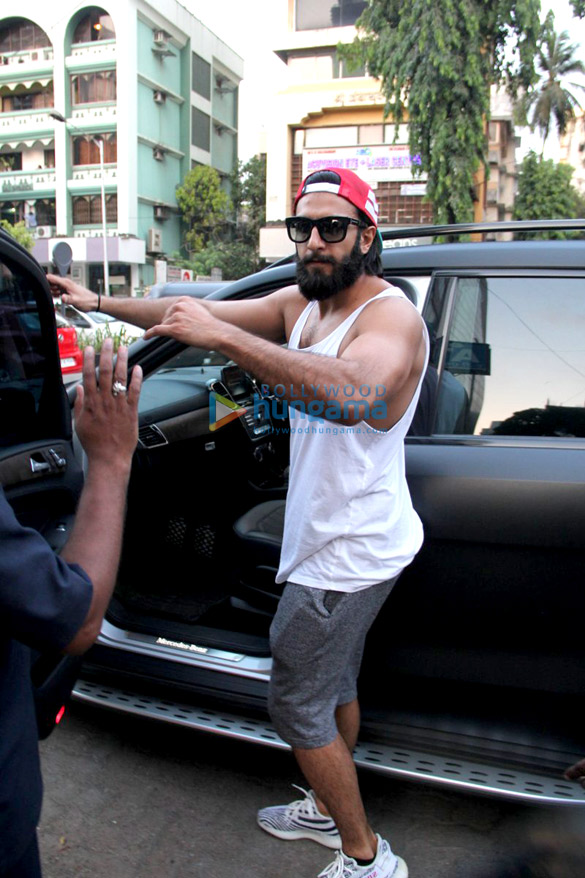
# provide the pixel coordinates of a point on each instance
(126, 797)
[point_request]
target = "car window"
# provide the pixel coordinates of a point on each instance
(514, 363)
(99, 317)
(74, 317)
(22, 356)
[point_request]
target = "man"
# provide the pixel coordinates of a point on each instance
(350, 527)
(49, 602)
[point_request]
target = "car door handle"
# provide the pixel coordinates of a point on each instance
(38, 467)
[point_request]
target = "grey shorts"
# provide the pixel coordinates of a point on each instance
(317, 640)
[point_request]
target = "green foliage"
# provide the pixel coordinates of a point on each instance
(97, 338)
(205, 206)
(235, 259)
(437, 62)
(545, 191)
(578, 8)
(249, 198)
(20, 233)
(233, 246)
(550, 101)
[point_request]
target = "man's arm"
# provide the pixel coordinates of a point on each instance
(107, 426)
(577, 772)
(384, 357)
(140, 312)
(263, 316)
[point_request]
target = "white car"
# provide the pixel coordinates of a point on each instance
(92, 321)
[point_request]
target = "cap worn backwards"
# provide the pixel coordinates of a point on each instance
(347, 185)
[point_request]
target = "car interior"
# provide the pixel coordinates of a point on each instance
(474, 655)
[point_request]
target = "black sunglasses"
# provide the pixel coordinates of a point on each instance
(332, 229)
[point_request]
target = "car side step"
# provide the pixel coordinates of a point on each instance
(399, 762)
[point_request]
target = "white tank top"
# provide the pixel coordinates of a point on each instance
(349, 520)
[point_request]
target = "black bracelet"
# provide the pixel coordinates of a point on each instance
(99, 301)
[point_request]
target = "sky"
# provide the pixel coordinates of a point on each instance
(253, 30)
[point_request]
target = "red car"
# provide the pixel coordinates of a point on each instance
(69, 351)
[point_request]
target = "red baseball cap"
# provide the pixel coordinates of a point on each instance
(347, 185)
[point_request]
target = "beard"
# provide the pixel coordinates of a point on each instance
(318, 285)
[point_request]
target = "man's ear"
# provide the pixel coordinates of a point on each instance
(367, 238)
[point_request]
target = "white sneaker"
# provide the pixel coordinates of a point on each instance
(386, 865)
(300, 819)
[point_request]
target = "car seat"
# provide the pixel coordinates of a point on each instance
(259, 539)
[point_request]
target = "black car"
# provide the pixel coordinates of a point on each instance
(474, 668)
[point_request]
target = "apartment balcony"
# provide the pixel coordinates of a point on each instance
(88, 117)
(23, 126)
(88, 177)
(95, 231)
(27, 64)
(28, 182)
(94, 55)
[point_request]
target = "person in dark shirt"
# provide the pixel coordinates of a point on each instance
(49, 602)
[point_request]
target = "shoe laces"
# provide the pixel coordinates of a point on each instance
(339, 868)
(306, 805)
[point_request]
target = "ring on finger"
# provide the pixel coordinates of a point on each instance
(118, 387)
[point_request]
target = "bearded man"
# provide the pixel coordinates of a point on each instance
(350, 528)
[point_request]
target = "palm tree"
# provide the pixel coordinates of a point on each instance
(550, 100)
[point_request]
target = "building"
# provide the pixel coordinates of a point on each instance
(116, 105)
(572, 150)
(329, 114)
(497, 201)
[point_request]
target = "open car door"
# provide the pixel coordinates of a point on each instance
(38, 470)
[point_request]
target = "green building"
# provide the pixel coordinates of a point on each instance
(110, 106)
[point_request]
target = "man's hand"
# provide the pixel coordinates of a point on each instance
(72, 293)
(107, 422)
(106, 418)
(576, 772)
(189, 321)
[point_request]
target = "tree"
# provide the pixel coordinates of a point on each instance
(205, 206)
(233, 247)
(235, 259)
(550, 100)
(545, 191)
(437, 63)
(249, 198)
(20, 233)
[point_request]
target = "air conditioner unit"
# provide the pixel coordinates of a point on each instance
(160, 212)
(154, 241)
(159, 97)
(158, 154)
(45, 231)
(160, 38)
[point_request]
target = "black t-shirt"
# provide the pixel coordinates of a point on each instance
(43, 603)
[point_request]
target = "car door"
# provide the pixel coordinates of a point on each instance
(39, 472)
(485, 621)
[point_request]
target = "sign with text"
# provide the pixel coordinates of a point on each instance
(375, 164)
(179, 274)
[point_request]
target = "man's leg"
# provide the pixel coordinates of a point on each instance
(311, 673)
(347, 720)
(331, 772)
